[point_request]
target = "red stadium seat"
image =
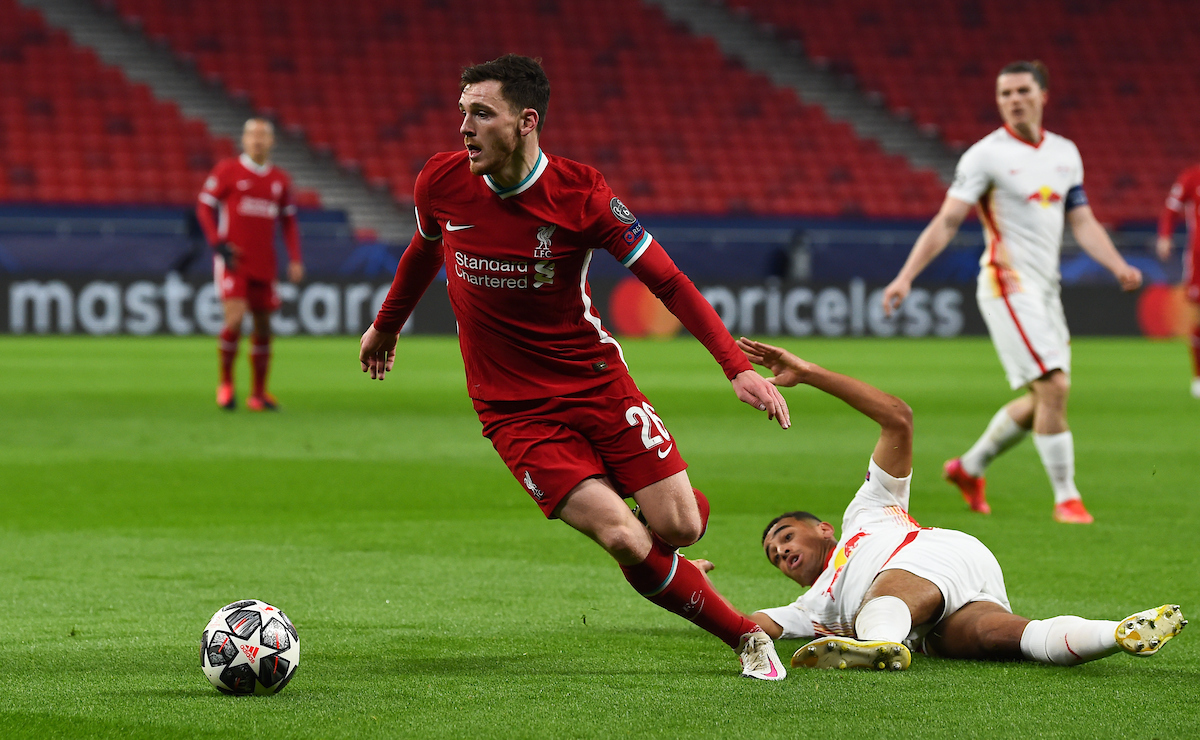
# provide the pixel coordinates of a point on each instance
(936, 61)
(72, 127)
(367, 83)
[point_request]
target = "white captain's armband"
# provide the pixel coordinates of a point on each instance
(1075, 198)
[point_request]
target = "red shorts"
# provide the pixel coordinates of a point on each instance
(552, 445)
(260, 295)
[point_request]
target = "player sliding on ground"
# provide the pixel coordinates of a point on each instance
(888, 584)
(515, 228)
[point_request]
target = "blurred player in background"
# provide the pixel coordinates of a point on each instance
(1025, 181)
(242, 199)
(1184, 202)
(888, 585)
(515, 228)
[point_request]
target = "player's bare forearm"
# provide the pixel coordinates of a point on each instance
(1094, 240)
(935, 237)
(768, 625)
(894, 417)
(886, 410)
(933, 241)
(790, 370)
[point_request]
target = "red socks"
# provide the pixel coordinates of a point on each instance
(674, 583)
(260, 363)
(1196, 352)
(227, 348)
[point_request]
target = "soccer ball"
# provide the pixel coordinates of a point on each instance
(249, 647)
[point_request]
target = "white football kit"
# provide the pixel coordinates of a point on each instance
(877, 535)
(1023, 193)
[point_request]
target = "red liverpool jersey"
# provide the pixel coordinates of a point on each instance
(1184, 200)
(516, 269)
(249, 199)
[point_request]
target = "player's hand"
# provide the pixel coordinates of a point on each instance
(377, 352)
(704, 565)
(1163, 247)
(894, 294)
(788, 370)
(229, 255)
(295, 272)
(755, 390)
(1129, 277)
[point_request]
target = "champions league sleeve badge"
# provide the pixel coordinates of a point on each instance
(621, 211)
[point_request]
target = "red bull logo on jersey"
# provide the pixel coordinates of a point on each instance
(841, 557)
(1045, 196)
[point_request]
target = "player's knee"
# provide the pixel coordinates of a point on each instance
(682, 532)
(623, 541)
(1053, 387)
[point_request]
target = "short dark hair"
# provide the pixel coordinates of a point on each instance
(1035, 68)
(801, 515)
(523, 82)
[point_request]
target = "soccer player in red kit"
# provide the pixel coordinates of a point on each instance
(1184, 201)
(515, 228)
(242, 199)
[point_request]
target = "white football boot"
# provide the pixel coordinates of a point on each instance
(1145, 632)
(759, 659)
(846, 652)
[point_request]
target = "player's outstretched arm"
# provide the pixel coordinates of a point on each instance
(377, 352)
(932, 241)
(893, 452)
(1094, 240)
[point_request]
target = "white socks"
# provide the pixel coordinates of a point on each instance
(884, 619)
(1001, 433)
(1068, 640)
(1056, 450)
(1058, 457)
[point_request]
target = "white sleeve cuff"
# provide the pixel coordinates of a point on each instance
(795, 623)
(898, 487)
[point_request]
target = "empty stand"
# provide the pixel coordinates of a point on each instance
(74, 130)
(1124, 77)
(675, 126)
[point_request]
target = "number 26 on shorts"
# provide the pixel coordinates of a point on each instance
(644, 415)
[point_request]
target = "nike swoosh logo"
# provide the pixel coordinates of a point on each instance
(452, 227)
(662, 454)
(774, 672)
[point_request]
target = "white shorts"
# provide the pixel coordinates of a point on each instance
(1029, 331)
(962, 568)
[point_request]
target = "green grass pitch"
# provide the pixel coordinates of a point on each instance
(433, 600)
